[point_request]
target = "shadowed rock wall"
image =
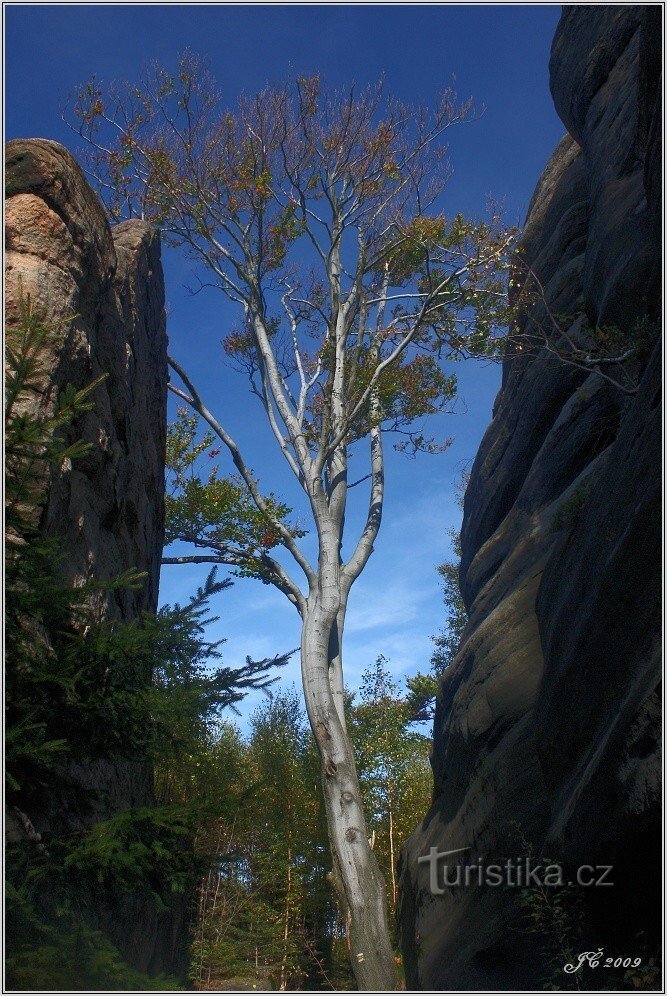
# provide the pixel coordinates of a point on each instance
(105, 290)
(547, 730)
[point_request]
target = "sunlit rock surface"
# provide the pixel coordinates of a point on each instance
(106, 291)
(547, 732)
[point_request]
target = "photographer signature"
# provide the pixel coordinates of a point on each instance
(596, 958)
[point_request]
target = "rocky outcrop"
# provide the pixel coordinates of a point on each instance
(547, 731)
(103, 291)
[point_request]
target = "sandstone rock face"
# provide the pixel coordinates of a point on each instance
(547, 731)
(105, 290)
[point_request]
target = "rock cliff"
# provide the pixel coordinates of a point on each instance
(547, 730)
(104, 291)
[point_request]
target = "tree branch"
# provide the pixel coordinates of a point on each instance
(197, 404)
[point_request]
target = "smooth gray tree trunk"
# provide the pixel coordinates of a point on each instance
(356, 876)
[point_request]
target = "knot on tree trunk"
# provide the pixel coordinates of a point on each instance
(322, 732)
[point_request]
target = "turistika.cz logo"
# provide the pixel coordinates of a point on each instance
(521, 872)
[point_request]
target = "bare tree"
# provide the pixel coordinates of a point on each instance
(318, 215)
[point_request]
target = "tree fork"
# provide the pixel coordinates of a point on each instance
(359, 176)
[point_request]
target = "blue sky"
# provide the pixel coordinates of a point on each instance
(496, 54)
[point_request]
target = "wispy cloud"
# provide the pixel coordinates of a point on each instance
(373, 607)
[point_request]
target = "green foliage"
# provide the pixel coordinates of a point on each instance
(393, 765)
(559, 917)
(146, 849)
(615, 353)
(422, 691)
(138, 690)
(33, 444)
(569, 510)
(80, 686)
(647, 976)
(449, 639)
(408, 390)
(48, 945)
(634, 344)
(555, 914)
(645, 333)
(187, 696)
(266, 909)
(216, 512)
(76, 957)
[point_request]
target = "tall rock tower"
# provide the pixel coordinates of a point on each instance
(103, 289)
(547, 729)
